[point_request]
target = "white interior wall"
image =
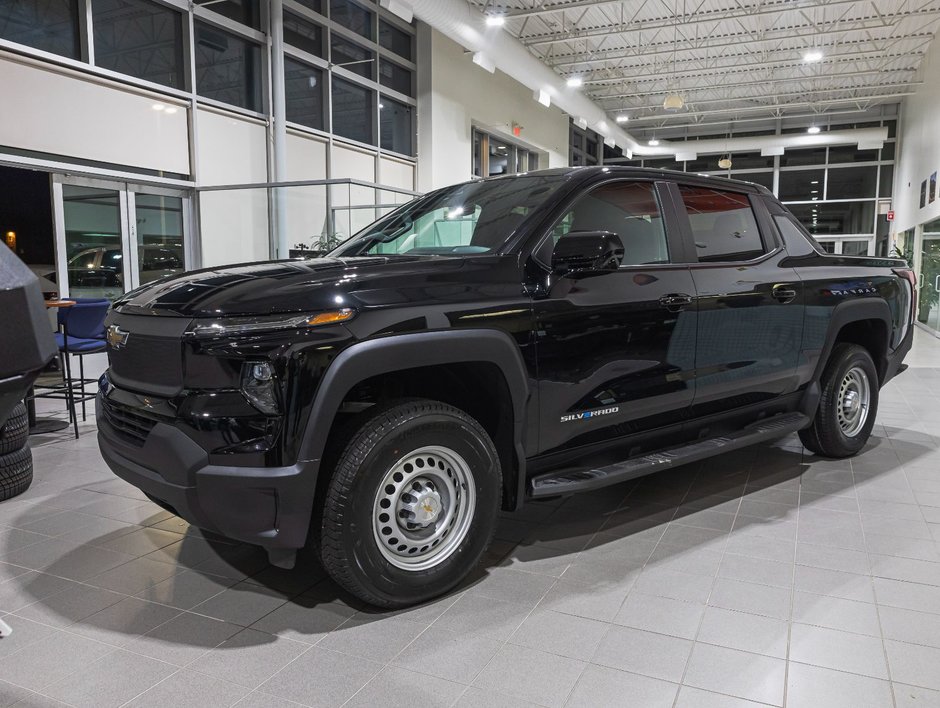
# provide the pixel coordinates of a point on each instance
(455, 94)
(919, 137)
(63, 112)
(305, 207)
(233, 224)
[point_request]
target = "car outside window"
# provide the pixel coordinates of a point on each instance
(628, 209)
(723, 224)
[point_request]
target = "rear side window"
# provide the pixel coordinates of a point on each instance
(723, 224)
(628, 209)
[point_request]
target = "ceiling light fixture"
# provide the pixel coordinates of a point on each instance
(622, 118)
(813, 129)
(543, 97)
(495, 20)
(673, 102)
(811, 57)
(653, 142)
(575, 82)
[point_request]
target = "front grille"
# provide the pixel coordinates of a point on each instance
(131, 427)
(151, 358)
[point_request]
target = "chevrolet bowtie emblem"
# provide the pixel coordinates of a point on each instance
(116, 337)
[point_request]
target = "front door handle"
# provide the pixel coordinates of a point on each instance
(784, 293)
(675, 302)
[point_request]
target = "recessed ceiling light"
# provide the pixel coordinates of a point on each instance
(653, 142)
(575, 82)
(815, 181)
(622, 118)
(813, 129)
(495, 20)
(812, 56)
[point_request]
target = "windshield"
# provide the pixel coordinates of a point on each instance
(465, 219)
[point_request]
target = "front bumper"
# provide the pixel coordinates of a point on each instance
(267, 506)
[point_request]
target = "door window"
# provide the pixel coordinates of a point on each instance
(723, 224)
(628, 209)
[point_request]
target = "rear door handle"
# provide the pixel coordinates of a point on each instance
(784, 293)
(675, 301)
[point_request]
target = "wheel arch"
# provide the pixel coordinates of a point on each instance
(412, 355)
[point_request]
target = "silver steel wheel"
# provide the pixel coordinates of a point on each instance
(423, 508)
(854, 401)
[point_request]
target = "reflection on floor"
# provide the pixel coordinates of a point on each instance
(763, 577)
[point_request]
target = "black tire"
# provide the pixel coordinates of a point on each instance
(350, 521)
(826, 436)
(16, 473)
(15, 432)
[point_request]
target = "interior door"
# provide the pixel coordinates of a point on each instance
(615, 349)
(113, 236)
(928, 310)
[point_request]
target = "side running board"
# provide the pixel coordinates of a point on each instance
(567, 481)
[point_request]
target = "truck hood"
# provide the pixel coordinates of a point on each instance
(275, 287)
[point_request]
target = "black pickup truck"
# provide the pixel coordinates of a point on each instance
(486, 344)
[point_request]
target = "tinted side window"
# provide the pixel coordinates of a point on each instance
(723, 224)
(628, 209)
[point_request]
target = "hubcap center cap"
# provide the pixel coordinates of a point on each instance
(851, 402)
(422, 506)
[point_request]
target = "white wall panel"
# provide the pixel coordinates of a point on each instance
(397, 173)
(234, 226)
(306, 157)
(232, 149)
(350, 162)
(62, 112)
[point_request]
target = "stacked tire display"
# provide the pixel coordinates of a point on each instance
(16, 460)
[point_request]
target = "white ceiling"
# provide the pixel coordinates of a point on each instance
(730, 60)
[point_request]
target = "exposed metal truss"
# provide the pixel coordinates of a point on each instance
(728, 59)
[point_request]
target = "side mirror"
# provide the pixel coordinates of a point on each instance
(587, 251)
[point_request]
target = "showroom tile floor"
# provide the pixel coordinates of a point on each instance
(762, 577)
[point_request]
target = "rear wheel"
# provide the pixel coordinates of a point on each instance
(411, 505)
(848, 405)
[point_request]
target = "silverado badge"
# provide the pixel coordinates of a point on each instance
(116, 337)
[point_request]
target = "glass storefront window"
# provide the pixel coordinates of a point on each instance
(851, 182)
(303, 34)
(246, 12)
(765, 179)
(477, 154)
(352, 111)
(303, 90)
(139, 38)
(850, 153)
(836, 218)
(396, 40)
(396, 123)
(886, 181)
(228, 68)
(855, 248)
(887, 151)
(803, 157)
(352, 16)
(500, 155)
(51, 26)
(94, 253)
(352, 57)
(315, 5)
(750, 161)
(800, 185)
(396, 77)
(159, 236)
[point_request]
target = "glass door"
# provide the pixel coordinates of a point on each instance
(113, 236)
(928, 308)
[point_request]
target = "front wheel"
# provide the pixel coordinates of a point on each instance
(848, 405)
(412, 504)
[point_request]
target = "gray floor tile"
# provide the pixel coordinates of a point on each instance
(909, 596)
(304, 620)
(513, 585)
(71, 605)
(603, 686)
(747, 632)
(110, 681)
(183, 639)
(829, 558)
(249, 658)
(188, 689)
(558, 633)
(763, 600)
(736, 673)
(599, 601)
(914, 664)
(660, 614)
(690, 697)
(813, 686)
(134, 576)
(257, 699)
(120, 623)
(910, 626)
(140, 542)
(475, 697)
(29, 587)
(836, 613)
(677, 586)
(849, 586)
(370, 638)
(396, 688)
(834, 649)
(532, 675)
(187, 589)
(483, 616)
(46, 661)
(915, 696)
(320, 677)
(907, 569)
(24, 632)
(448, 655)
(244, 604)
(642, 652)
(756, 570)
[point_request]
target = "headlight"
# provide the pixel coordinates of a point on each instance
(246, 325)
(258, 385)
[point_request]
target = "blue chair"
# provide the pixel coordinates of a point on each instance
(82, 332)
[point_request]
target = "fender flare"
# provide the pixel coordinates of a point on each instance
(389, 354)
(843, 314)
